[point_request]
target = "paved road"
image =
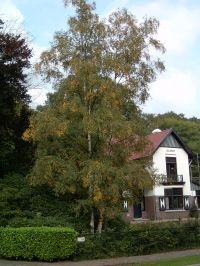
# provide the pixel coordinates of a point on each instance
(107, 262)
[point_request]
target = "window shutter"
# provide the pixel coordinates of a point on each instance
(162, 204)
(186, 202)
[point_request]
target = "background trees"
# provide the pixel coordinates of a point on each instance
(91, 124)
(14, 99)
(16, 155)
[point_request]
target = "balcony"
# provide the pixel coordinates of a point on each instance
(172, 180)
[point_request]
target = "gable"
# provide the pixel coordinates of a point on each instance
(170, 142)
(167, 138)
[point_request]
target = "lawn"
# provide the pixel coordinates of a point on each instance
(183, 261)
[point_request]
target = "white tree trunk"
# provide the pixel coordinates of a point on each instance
(92, 222)
(100, 223)
(90, 154)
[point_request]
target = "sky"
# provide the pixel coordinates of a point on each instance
(177, 89)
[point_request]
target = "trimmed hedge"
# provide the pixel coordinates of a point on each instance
(37, 243)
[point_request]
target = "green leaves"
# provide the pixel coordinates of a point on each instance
(41, 243)
(14, 112)
(90, 126)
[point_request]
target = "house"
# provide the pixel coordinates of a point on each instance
(173, 195)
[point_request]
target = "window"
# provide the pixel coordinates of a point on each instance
(171, 168)
(174, 198)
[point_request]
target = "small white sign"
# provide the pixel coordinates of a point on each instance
(81, 239)
(170, 150)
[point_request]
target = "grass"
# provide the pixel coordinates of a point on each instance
(183, 261)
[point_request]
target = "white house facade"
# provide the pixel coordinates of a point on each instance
(172, 196)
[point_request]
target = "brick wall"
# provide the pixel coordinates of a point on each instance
(150, 206)
(153, 212)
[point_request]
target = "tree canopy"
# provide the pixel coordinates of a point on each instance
(14, 99)
(91, 124)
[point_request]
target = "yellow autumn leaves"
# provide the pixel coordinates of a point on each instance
(44, 124)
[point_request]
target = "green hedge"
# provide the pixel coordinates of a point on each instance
(140, 239)
(37, 243)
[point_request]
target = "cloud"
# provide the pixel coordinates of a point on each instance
(174, 91)
(39, 89)
(8, 11)
(179, 25)
(36, 51)
(179, 30)
(178, 21)
(14, 20)
(178, 88)
(38, 96)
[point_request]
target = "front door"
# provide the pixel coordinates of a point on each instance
(137, 211)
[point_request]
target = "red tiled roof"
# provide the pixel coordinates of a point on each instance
(153, 142)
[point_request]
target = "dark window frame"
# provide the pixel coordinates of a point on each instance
(174, 198)
(171, 168)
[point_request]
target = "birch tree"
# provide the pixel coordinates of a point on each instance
(89, 127)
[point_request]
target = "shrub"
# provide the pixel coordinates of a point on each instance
(39, 221)
(194, 212)
(37, 243)
(139, 239)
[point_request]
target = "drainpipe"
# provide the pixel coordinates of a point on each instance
(190, 170)
(198, 167)
(155, 212)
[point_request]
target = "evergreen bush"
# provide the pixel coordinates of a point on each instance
(37, 243)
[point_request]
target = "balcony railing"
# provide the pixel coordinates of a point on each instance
(172, 179)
